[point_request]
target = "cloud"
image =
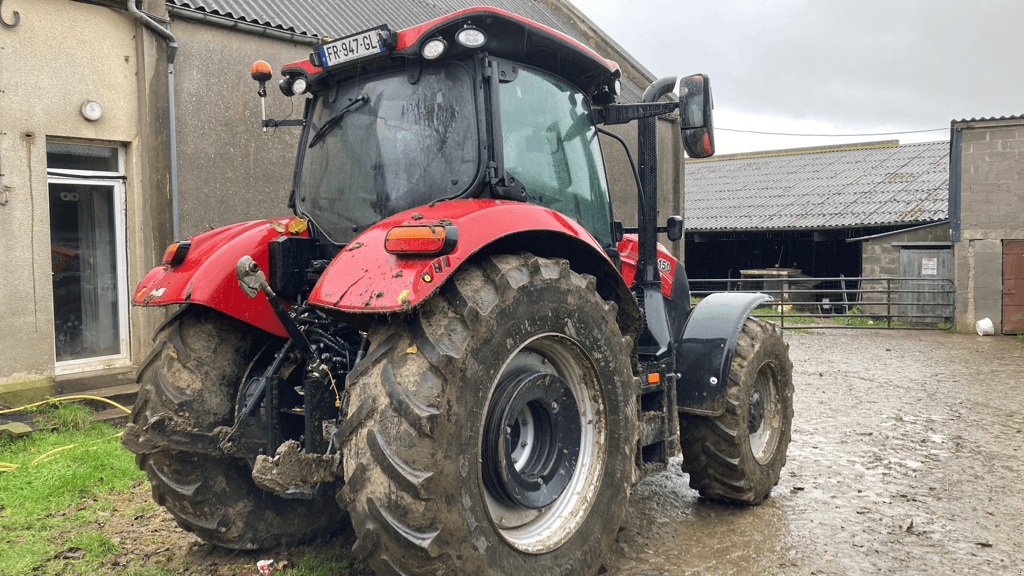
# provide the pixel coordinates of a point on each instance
(859, 66)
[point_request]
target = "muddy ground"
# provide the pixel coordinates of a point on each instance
(907, 458)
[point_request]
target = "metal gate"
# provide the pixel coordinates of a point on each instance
(916, 303)
(923, 300)
(1013, 287)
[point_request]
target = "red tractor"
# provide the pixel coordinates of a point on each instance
(453, 341)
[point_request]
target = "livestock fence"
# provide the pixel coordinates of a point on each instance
(855, 302)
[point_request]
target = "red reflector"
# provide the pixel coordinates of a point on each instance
(707, 143)
(653, 378)
(421, 239)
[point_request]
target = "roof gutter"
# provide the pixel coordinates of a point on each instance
(172, 52)
(900, 231)
(239, 26)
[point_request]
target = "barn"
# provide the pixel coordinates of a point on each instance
(822, 212)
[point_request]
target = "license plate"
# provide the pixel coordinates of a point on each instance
(352, 47)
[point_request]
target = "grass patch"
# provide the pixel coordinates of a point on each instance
(323, 565)
(62, 417)
(74, 491)
(48, 487)
(772, 313)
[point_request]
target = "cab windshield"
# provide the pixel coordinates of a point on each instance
(400, 146)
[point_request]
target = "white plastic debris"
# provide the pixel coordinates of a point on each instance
(264, 566)
(985, 327)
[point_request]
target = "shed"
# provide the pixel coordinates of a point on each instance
(809, 208)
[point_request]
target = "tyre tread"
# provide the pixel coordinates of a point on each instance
(716, 450)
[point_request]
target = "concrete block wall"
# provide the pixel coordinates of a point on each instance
(880, 258)
(992, 211)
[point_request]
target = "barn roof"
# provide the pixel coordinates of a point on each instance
(336, 19)
(847, 186)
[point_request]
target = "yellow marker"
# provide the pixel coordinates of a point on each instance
(402, 297)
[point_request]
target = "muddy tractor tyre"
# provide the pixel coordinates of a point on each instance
(496, 427)
(194, 374)
(737, 457)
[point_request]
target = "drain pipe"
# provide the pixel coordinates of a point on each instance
(172, 52)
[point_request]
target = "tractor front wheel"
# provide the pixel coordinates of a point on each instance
(737, 457)
(497, 427)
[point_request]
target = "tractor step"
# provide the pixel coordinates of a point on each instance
(657, 433)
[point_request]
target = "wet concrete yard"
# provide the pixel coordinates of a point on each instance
(907, 458)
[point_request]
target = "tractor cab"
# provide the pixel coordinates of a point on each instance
(478, 104)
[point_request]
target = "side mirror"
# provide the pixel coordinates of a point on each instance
(674, 228)
(695, 105)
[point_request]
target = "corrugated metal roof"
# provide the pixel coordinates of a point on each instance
(815, 189)
(339, 18)
(1021, 117)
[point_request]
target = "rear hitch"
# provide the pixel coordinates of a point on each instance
(252, 280)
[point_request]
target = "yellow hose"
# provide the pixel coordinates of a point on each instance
(4, 467)
(62, 398)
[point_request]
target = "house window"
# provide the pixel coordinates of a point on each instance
(87, 248)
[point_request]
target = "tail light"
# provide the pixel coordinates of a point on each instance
(421, 240)
(175, 253)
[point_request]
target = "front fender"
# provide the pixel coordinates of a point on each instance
(704, 354)
(207, 275)
(364, 278)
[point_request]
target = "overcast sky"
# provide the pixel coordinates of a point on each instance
(831, 66)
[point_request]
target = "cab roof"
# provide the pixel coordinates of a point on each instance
(508, 36)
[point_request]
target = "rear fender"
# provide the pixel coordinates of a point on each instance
(207, 275)
(364, 280)
(704, 354)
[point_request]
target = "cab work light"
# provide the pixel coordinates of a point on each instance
(421, 240)
(175, 253)
(471, 37)
(434, 48)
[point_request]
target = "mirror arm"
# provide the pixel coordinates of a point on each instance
(625, 113)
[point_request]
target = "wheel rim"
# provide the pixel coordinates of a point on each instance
(563, 445)
(532, 439)
(764, 424)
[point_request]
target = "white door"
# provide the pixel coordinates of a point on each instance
(89, 268)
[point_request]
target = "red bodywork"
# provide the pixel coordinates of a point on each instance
(363, 277)
(666, 263)
(366, 278)
(207, 275)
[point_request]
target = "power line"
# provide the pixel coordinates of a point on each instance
(832, 135)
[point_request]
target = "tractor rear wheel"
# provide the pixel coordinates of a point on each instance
(496, 427)
(193, 375)
(737, 457)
